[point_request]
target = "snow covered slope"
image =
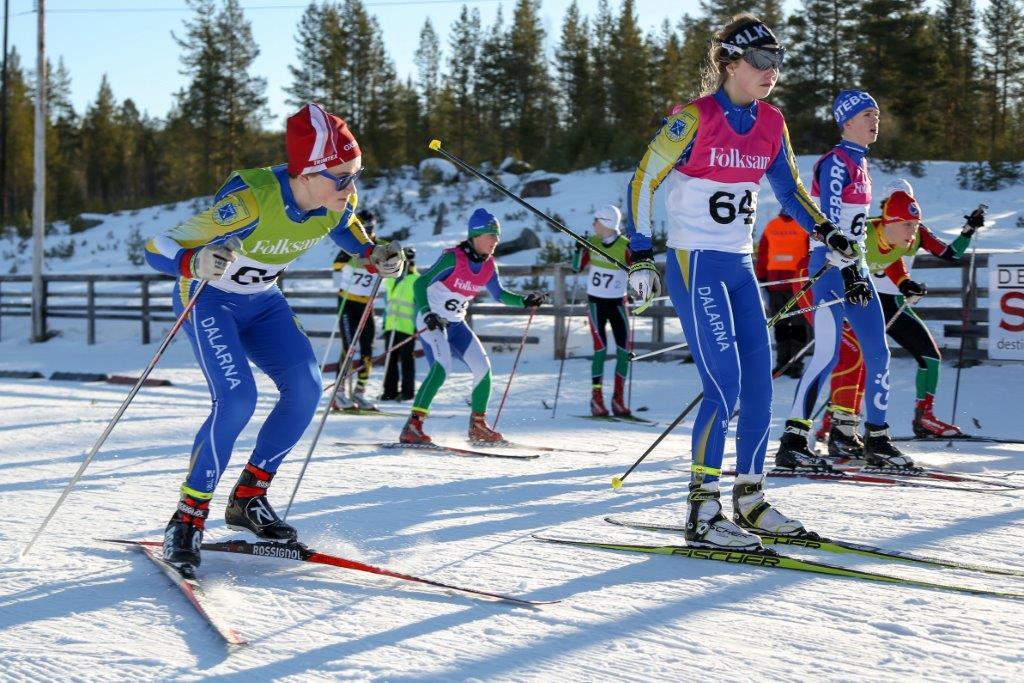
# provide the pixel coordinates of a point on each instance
(103, 612)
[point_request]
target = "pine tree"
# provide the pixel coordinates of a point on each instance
(957, 98)
(64, 173)
(630, 95)
(1003, 60)
(461, 110)
(310, 77)
(242, 103)
(428, 68)
(820, 61)
(896, 56)
(494, 93)
(527, 74)
(198, 102)
(575, 86)
(18, 184)
(102, 150)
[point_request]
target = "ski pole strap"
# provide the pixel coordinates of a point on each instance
(435, 145)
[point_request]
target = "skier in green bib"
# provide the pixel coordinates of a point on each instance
(606, 305)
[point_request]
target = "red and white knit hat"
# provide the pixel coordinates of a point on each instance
(901, 207)
(316, 140)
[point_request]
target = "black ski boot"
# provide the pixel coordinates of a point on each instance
(844, 443)
(793, 453)
(248, 509)
(184, 533)
(879, 450)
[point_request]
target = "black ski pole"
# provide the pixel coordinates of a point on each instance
(617, 481)
(565, 345)
(435, 145)
(966, 314)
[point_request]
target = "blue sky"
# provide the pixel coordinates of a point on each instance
(136, 51)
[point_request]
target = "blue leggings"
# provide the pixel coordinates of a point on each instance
(226, 331)
(716, 297)
(868, 323)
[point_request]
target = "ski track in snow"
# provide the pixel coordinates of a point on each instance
(76, 607)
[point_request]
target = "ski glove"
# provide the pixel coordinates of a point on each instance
(644, 279)
(211, 262)
(975, 220)
(388, 259)
(434, 322)
(841, 250)
(857, 288)
(912, 291)
(534, 299)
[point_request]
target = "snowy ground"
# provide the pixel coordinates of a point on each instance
(76, 608)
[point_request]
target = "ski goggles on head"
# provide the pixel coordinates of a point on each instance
(342, 181)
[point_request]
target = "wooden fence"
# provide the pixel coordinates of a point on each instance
(146, 298)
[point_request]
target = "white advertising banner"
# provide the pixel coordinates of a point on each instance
(1006, 306)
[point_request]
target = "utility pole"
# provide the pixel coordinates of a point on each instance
(39, 198)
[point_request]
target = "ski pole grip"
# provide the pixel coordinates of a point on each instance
(435, 144)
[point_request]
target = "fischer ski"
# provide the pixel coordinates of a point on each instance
(186, 581)
(837, 546)
(770, 559)
(301, 553)
(438, 448)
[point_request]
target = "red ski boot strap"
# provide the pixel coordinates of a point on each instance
(259, 478)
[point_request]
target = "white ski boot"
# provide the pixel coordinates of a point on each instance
(707, 527)
(752, 512)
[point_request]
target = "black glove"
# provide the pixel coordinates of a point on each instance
(912, 290)
(857, 288)
(434, 322)
(834, 239)
(975, 220)
(534, 299)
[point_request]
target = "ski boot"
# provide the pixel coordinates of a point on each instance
(844, 443)
(341, 402)
(927, 425)
(412, 432)
(597, 408)
(793, 453)
(359, 400)
(707, 527)
(479, 432)
(619, 407)
(753, 513)
(880, 452)
(248, 509)
(184, 533)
